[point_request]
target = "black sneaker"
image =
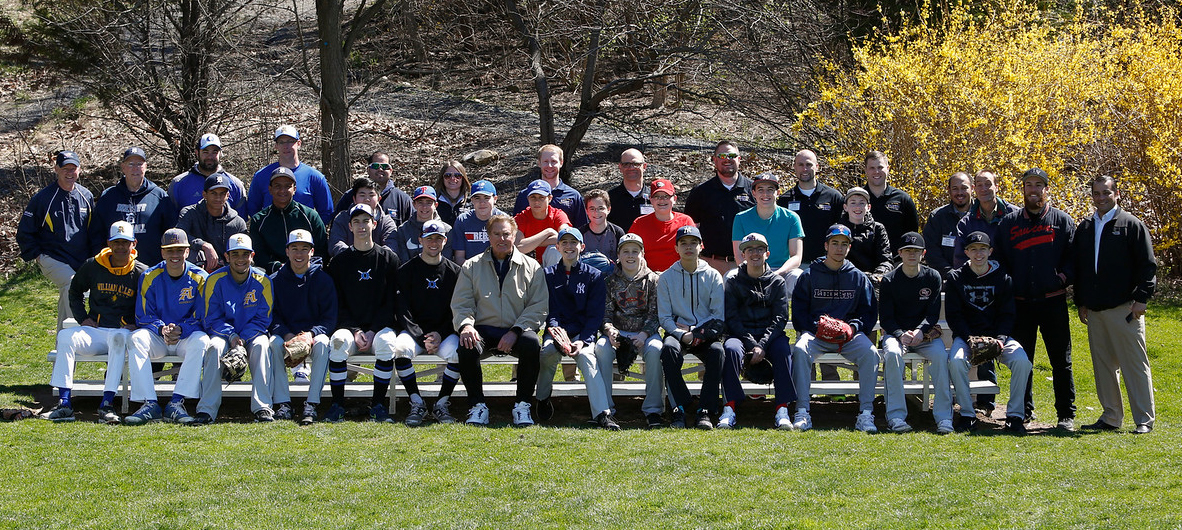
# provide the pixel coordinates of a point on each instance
(606, 421)
(678, 418)
(704, 422)
(107, 414)
(654, 420)
(309, 415)
(1014, 425)
(545, 409)
(966, 423)
(264, 416)
(201, 418)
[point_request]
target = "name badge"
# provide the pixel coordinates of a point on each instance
(646, 209)
(948, 241)
(794, 206)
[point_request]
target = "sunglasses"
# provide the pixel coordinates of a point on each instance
(728, 156)
(379, 166)
(456, 176)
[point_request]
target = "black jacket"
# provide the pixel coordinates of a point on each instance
(112, 290)
(896, 211)
(907, 303)
(756, 308)
(979, 305)
(870, 250)
(1127, 269)
(426, 292)
(939, 235)
(1035, 250)
(817, 213)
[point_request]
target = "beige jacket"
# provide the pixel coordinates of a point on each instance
(480, 299)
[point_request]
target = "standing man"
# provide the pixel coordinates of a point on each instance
(780, 228)
(311, 188)
(562, 196)
(394, 202)
(1115, 277)
(53, 228)
(364, 191)
(210, 223)
(631, 196)
(659, 229)
(469, 236)
(890, 206)
(714, 204)
(138, 201)
(406, 236)
(940, 230)
(819, 206)
(498, 307)
(166, 311)
(270, 227)
(111, 278)
(236, 311)
(1034, 245)
(187, 188)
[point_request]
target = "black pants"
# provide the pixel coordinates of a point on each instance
(1050, 316)
(527, 350)
(672, 358)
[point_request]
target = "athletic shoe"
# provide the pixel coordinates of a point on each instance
(783, 421)
(802, 421)
(1067, 424)
(703, 422)
(965, 423)
(1100, 425)
(441, 412)
(985, 411)
(148, 413)
(301, 373)
(678, 418)
(309, 415)
(898, 425)
(108, 415)
(1015, 425)
(545, 409)
(606, 421)
(727, 419)
(654, 420)
(284, 412)
(521, 415)
(1143, 429)
(264, 416)
(418, 412)
(944, 427)
(201, 418)
(176, 413)
(865, 423)
(60, 413)
(478, 415)
(336, 413)
(379, 414)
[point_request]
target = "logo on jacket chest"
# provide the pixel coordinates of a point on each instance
(251, 298)
(833, 294)
(925, 294)
(365, 275)
(894, 205)
(186, 295)
(432, 284)
(981, 296)
(581, 288)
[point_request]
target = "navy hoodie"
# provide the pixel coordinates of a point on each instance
(979, 305)
(303, 304)
(756, 308)
(845, 294)
(577, 300)
(148, 209)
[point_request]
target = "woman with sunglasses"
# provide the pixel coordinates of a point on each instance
(453, 187)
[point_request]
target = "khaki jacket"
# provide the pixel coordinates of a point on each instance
(480, 299)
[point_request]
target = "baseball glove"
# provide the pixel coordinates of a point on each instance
(935, 333)
(234, 364)
(759, 373)
(834, 330)
(710, 331)
(625, 354)
(983, 349)
(295, 351)
(16, 414)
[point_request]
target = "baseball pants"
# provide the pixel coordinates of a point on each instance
(673, 358)
(86, 341)
(654, 376)
(1012, 356)
(262, 375)
(1117, 344)
(598, 394)
(892, 373)
(319, 367)
(61, 275)
(527, 350)
(148, 346)
(859, 351)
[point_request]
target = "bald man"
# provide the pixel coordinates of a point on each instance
(630, 199)
(819, 206)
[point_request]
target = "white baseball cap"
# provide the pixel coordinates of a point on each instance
(287, 130)
(300, 235)
(121, 230)
(209, 139)
(239, 242)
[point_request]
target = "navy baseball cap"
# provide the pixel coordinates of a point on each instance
(911, 240)
(977, 237)
(434, 228)
(538, 187)
(1037, 173)
(688, 231)
(174, 238)
(209, 139)
(483, 187)
(425, 191)
(358, 209)
(570, 231)
(216, 181)
(134, 151)
(838, 230)
(67, 157)
(282, 172)
(766, 177)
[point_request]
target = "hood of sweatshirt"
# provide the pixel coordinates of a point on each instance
(104, 258)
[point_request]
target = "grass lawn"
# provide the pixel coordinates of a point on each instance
(238, 475)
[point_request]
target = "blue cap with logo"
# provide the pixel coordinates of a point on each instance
(538, 187)
(359, 209)
(434, 227)
(484, 187)
(425, 191)
(839, 230)
(977, 238)
(570, 231)
(216, 181)
(174, 238)
(134, 151)
(688, 231)
(282, 172)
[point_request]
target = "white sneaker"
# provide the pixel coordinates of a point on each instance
(478, 415)
(802, 421)
(944, 427)
(727, 419)
(521, 416)
(783, 421)
(865, 423)
(301, 373)
(898, 425)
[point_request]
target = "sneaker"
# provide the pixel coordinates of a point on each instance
(336, 413)
(418, 412)
(521, 415)
(727, 419)
(606, 421)
(1067, 424)
(865, 423)
(944, 427)
(654, 420)
(108, 415)
(201, 418)
(677, 420)
(309, 415)
(60, 413)
(379, 414)
(301, 373)
(284, 411)
(898, 425)
(545, 409)
(478, 414)
(148, 413)
(703, 422)
(1015, 425)
(985, 411)
(965, 423)
(441, 412)
(802, 421)
(264, 416)
(176, 413)
(783, 421)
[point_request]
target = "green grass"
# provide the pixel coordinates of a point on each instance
(353, 475)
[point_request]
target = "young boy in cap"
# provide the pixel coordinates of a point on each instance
(659, 229)
(270, 226)
(210, 223)
(425, 202)
(469, 236)
(780, 226)
(538, 225)
(870, 246)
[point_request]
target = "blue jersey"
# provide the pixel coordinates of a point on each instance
(470, 234)
(187, 189)
(166, 300)
(311, 190)
(233, 308)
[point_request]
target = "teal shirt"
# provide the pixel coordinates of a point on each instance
(779, 229)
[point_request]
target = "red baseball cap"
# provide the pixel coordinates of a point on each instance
(663, 185)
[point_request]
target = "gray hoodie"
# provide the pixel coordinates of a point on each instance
(204, 228)
(692, 298)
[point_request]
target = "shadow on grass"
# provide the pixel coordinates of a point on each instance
(29, 395)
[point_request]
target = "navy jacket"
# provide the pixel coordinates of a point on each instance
(1035, 250)
(148, 209)
(975, 222)
(577, 300)
(939, 235)
(979, 305)
(845, 293)
(756, 308)
(303, 304)
(55, 224)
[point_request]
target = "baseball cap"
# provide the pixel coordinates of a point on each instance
(838, 230)
(977, 237)
(209, 139)
(239, 242)
(630, 238)
(688, 231)
(67, 157)
(134, 151)
(662, 185)
(287, 130)
(858, 190)
(300, 235)
(752, 240)
(911, 240)
(570, 231)
(121, 230)
(766, 177)
(174, 238)
(425, 191)
(538, 187)
(484, 187)
(361, 209)
(282, 172)
(1036, 173)
(434, 228)
(216, 181)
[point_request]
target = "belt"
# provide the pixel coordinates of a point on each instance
(1060, 292)
(730, 259)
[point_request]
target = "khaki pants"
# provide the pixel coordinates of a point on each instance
(60, 274)
(1120, 345)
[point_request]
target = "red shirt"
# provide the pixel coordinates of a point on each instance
(529, 226)
(660, 244)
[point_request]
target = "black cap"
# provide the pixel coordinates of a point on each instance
(67, 157)
(1037, 173)
(911, 240)
(977, 237)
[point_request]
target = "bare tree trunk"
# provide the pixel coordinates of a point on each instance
(545, 110)
(588, 107)
(196, 43)
(334, 108)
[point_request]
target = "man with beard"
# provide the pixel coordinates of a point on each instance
(939, 233)
(393, 202)
(188, 188)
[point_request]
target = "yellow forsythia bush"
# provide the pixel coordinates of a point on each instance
(1012, 89)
